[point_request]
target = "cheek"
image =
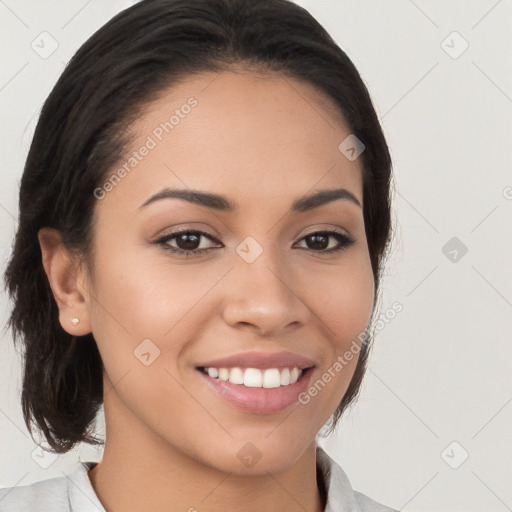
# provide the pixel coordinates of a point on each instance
(344, 301)
(344, 306)
(148, 313)
(142, 319)
(145, 297)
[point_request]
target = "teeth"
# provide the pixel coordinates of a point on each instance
(285, 377)
(253, 378)
(256, 378)
(271, 378)
(236, 376)
(213, 372)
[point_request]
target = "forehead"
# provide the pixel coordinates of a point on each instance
(250, 135)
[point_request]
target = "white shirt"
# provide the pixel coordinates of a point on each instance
(74, 492)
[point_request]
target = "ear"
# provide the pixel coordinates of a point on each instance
(66, 281)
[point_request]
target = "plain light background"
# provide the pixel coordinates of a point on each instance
(431, 430)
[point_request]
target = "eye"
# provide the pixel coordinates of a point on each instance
(187, 242)
(318, 241)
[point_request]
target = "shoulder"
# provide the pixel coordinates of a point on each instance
(67, 493)
(366, 504)
(339, 492)
(51, 494)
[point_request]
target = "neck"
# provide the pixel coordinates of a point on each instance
(141, 471)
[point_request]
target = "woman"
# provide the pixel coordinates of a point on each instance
(204, 215)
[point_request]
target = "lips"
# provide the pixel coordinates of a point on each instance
(260, 360)
(258, 382)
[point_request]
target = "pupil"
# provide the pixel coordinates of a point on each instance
(187, 239)
(317, 239)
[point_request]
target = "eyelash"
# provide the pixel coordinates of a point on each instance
(344, 241)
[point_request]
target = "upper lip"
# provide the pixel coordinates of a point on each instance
(260, 360)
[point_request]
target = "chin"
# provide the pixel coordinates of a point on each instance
(263, 455)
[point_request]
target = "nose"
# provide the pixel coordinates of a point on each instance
(263, 297)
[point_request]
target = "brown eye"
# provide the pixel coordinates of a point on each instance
(319, 241)
(185, 242)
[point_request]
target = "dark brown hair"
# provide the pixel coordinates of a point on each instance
(81, 135)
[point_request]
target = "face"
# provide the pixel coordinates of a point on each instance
(270, 283)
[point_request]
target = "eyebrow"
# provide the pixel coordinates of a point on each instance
(221, 203)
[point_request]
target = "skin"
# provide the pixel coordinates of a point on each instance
(263, 141)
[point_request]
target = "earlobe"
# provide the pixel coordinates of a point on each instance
(69, 292)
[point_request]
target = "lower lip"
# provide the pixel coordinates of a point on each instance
(259, 400)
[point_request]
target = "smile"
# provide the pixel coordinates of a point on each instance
(254, 390)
